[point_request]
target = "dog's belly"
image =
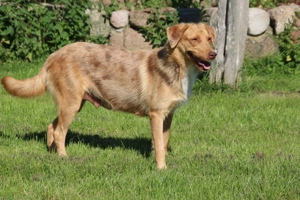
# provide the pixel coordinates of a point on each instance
(113, 100)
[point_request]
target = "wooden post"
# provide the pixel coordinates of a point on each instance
(231, 36)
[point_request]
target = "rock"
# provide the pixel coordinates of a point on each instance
(167, 10)
(280, 16)
(106, 2)
(139, 18)
(297, 14)
(214, 3)
(211, 16)
(208, 4)
(117, 39)
(260, 46)
(135, 41)
(110, 2)
(295, 35)
(259, 20)
(297, 23)
(295, 7)
(119, 18)
(129, 39)
(99, 25)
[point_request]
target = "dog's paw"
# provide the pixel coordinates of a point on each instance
(162, 167)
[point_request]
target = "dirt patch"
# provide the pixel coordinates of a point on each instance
(282, 94)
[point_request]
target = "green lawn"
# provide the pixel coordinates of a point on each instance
(224, 145)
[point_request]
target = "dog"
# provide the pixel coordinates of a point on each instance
(146, 82)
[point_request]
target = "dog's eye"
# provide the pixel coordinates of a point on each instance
(209, 39)
(195, 39)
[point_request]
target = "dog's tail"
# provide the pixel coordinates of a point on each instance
(26, 88)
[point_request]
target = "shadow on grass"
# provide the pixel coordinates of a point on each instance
(142, 145)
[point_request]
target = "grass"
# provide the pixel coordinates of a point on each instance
(224, 145)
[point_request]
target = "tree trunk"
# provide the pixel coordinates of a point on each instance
(231, 36)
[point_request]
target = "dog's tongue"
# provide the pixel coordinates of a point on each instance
(203, 64)
(200, 63)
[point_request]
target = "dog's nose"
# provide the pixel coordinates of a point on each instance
(212, 55)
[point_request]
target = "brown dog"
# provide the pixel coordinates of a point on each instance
(147, 83)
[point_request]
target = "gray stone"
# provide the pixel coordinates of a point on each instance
(260, 46)
(129, 39)
(135, 41)
(214, 3)
(139, 18)
(99, 24)
(297, 23)
(259, 20)
(280, 16)
(119, 18)
(106, 2)
(295, 7)
(295, 35)
(211, 16)
(117, 39)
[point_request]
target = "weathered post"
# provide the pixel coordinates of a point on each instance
(231, 36)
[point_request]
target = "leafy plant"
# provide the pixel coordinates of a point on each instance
(290, 50)
(270, 3)
(264, 3)
(155, 3)
(98, 39)
(29, 29)
(111, 8)
(158, 21)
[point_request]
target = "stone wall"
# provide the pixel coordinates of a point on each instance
(264, 25)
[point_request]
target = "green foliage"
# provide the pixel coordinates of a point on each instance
(115, 5)
(158, 21)
(270, 3)
(156, 3)
(289, 51)
(98, 39)
(263, 3)
(29, 30)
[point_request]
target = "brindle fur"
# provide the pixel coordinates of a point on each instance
(147, 83)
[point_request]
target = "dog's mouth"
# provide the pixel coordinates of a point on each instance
(201, 64)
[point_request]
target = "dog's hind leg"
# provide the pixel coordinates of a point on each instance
(65, 118)
(52, 127)
(57, 130)
(50, 138)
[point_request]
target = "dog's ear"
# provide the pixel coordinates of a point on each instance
(174, 34)
(211, 30)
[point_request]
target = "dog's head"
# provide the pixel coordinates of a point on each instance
(195, 41)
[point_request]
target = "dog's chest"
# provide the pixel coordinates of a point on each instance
(189, 80)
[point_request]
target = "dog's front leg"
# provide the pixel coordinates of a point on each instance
(166, 131)
(156, 121)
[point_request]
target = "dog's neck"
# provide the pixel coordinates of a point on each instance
(189, 80)
(186, 71)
